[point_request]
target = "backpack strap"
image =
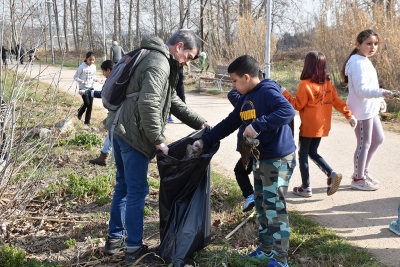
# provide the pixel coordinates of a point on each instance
(115, 122)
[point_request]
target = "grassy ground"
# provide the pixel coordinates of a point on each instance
(66, 222)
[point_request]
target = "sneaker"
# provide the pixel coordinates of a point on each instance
(274, 263)
(248, 203)
(114, 245)
(363, 184)
(170, 120)
(258, 254)
(143, 251)
(370, 179)
(333, 184)
(394, 227)
(300, 191)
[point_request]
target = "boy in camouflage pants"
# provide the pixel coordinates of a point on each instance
(266, 114)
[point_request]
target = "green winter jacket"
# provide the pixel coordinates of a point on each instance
(142, 119)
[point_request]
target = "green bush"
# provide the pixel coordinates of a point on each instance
(99, 186)
(69, 243)
(87, 140)
(12, 256)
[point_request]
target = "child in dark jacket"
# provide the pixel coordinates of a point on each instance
(266, 114)
(106, 68)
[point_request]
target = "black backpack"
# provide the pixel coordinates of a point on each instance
(113, 93)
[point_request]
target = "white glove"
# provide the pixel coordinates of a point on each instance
(353, 122)
(163, 147)
(90, 92)
(282, 89)
(82, 92)
(250, 132)
(383, 106)
(198, 144)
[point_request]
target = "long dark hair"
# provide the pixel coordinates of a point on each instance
(361, 37)
(314, 68)
(88, 55)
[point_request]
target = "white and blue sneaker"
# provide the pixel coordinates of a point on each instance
(258, 254)
(394, 227)
(274, 263)
(248, 203)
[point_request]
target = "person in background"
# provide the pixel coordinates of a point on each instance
(116, 52)
(365, 100)
(86, 76)
(20, 54)
(4, 55)
(106, 68)
(314, 100)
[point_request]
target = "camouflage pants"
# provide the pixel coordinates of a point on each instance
(271, 181)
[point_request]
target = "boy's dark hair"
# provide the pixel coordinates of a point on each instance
(244, 65)
(314, 68)
(107, 65)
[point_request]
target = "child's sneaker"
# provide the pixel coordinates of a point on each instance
(300, 191)
(394, 227)
(370, 179)
(248, 203)
(258, 254)
(274, 263)
(363, 184)
(333, 183)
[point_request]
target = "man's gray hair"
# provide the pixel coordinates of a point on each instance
(188, 37)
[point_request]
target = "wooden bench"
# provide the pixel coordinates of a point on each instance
(221, 75)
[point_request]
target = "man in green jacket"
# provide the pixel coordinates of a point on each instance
(140, 132)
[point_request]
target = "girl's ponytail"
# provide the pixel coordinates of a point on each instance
(342, 72)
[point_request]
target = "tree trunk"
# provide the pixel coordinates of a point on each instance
(138, 23)
(130, 30)
(79, 44)
(227, 21)
(155, 17)
(57, 24)
(14, 34)
(181, 14)
(74, 30)
(66, 26)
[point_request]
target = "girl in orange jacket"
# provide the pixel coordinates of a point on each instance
(314, 99)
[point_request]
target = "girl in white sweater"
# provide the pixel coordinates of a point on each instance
(86, 76)
(365, 100)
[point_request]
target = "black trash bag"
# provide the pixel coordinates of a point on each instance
(184, 201)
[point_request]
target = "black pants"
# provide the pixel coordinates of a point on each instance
(242, 177)
(308, 147)
(86, 106)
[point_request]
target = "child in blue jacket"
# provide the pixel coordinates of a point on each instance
(266, 114)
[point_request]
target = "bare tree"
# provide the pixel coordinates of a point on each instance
(66, 26)
(58, 28)
(138, 37)
(130, 30)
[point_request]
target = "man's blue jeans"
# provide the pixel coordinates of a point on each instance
(127, 206)
(107, 149)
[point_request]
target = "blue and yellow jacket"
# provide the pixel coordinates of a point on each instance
(268, 112)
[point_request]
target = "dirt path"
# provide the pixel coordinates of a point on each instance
(360, 217)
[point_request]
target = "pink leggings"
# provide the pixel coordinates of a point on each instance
(369, 135)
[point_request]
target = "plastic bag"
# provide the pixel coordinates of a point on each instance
(184, 201)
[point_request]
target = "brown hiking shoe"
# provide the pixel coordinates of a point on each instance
(100, 160)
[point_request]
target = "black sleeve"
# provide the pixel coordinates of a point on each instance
(180, 88)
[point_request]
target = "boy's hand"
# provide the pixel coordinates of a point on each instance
(387, 94)
(353, 122)
(101, 81)
(83, 82)
(250, 132)
(82, 92)
(204, 125)
(199, 143)
(163, 147)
